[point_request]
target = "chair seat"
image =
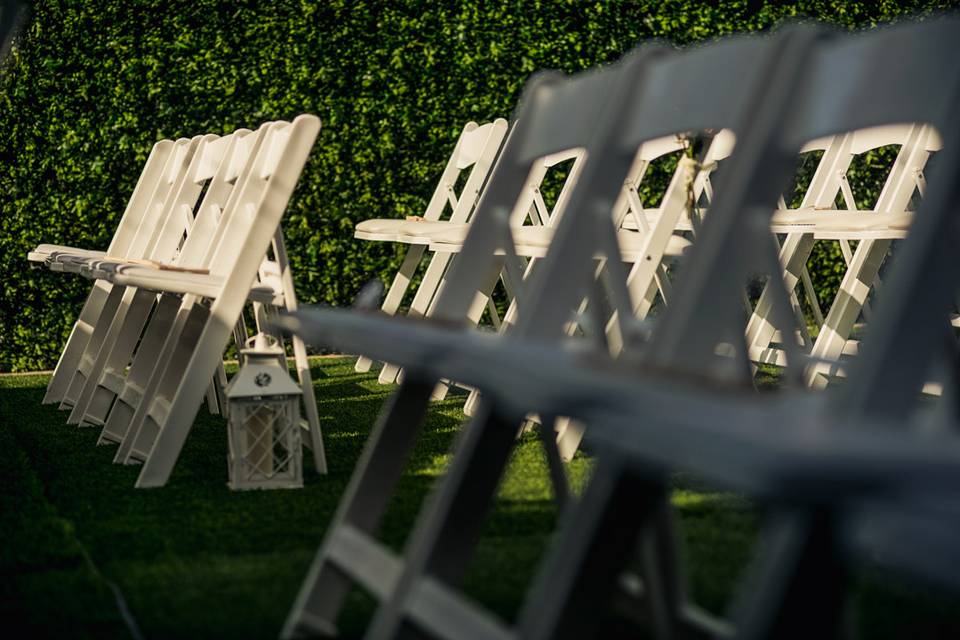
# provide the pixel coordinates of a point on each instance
(533, 241)
(825, 224)
(48, 252)
(842, 224)
(652, 217)
(199, 284)
(401, 230)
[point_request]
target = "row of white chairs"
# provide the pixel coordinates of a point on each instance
(199, 242)
(651, 238)
(864, 473)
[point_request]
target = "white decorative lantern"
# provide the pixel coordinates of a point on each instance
(264, 420)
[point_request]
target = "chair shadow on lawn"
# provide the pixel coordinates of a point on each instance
(196, 559)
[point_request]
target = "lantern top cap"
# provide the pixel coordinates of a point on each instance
(262, 344)
(261, 375)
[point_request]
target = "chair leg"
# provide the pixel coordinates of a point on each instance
(398, 288)
(474, 313)
(213, 406)
(422, 299)
(374, 480)
(796, 590)
(846, 308)
(310, 405)
(760, 329)
(583, 570)
(441, 544)
(99, 301)
(130, 391)
(115, 354)
(91, 347)
(148, 422)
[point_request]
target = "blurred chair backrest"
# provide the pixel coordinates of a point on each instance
(727, 71)
(608, 113)
(555, 115)
(13, 18)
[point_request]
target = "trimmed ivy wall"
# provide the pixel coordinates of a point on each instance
(90, 86)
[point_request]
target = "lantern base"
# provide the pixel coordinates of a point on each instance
(265, 483)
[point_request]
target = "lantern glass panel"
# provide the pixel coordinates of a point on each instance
(265, 443)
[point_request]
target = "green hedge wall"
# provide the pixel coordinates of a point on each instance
(91, 86)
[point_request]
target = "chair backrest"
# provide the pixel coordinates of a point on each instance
(664, 98)
(884, 382)
(260, 197)
(532, 205)
(154, 198)
(476, 149)
(555, 115)
(216, 176)
(176, 217)
(151, 188)
(629, 207)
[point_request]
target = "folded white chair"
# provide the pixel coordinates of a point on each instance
(121, 389)
(274, 288)
(213, 171)
(245, 232)
(107, 355)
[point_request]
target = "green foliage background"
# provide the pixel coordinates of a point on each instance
(92, 85)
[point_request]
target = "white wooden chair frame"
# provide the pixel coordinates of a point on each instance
(476, 149)
(164, 417)
(817, 219)
(102, 371)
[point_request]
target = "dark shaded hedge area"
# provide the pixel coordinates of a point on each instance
(92, 85)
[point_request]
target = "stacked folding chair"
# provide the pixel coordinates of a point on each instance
(845, 475)
(199, 240)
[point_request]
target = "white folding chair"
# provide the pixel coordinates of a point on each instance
(874, 240)
(194, 346)
(439, 548)
(476, 149)
(818, 219)
(686, 383)
(532, 218)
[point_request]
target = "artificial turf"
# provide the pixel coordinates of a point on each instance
(194, 559)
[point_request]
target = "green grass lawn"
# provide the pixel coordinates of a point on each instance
(195, 559)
